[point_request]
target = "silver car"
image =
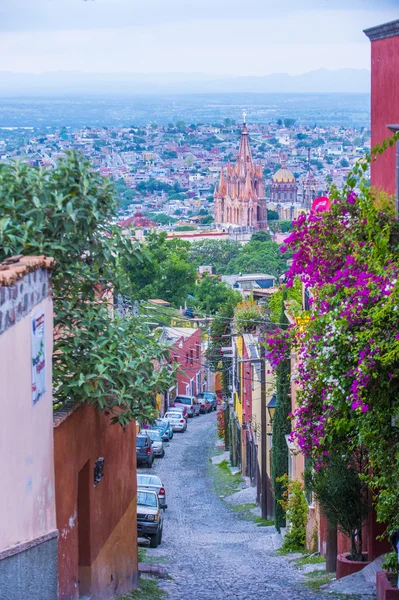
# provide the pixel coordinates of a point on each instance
(157, 443)
(177, 421)
(152, 483)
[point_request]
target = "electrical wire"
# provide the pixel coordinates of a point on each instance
(210, 317)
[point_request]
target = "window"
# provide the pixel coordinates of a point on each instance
(187, 357)
(187, 390)
(198, 351)
(191, 357)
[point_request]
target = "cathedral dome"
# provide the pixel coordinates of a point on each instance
(283, 175)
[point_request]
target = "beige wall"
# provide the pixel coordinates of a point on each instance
(27, 504)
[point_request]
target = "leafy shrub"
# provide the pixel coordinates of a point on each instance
(296, 509)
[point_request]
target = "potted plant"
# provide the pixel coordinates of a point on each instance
(343, 499)
(387, 580)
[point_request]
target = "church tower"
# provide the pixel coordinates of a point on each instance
(240, 197)
(309, 186)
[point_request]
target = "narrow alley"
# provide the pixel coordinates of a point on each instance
(211, 553)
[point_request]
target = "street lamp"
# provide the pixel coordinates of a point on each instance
(271, 409)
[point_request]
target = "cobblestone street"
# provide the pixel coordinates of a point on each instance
(211, 553)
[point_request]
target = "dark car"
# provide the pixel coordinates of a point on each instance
(144, 453)
(149, 516)
(210, 397)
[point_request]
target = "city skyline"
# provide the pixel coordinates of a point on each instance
(220, 39)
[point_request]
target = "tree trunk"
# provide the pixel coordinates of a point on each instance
(331, 551)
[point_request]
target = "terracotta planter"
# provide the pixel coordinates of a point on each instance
(347, 567)
(385, 591)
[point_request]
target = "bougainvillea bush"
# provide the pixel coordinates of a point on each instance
(347, 345)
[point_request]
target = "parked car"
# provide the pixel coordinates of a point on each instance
(211, 397)
(205, 405)
(144, 452)
(182, 408)
(163, 430)
(167, 431)
(191, 403)
(157, 443)
(152, 483)
(177, 421)
(149, 517)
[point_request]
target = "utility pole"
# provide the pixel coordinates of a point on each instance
(263, 433)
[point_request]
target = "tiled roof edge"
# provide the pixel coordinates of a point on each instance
(383, 31)
(14, 268)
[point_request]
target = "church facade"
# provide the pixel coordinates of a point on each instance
(240, 197)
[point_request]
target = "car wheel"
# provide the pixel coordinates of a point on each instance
(154, 541)
(163, 454)
(160, 536)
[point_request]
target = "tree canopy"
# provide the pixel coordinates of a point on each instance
(168, 274)
(99, 357)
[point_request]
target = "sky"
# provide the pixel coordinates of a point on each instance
(215, 37)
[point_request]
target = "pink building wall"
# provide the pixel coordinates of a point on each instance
(27, 503)
(28, 530)
(384, 100)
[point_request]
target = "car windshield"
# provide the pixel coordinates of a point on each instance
(160, 424)
(147, 499)
(183, 400)
(147, 480)
(206, 395)
(172, 416)
(155, 436)
(141, 441)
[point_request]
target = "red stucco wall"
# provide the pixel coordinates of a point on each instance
(187, 353)
(108, 550)
(384, 108)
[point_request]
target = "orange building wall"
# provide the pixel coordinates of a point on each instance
(106, 513)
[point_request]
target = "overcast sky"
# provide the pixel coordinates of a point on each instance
(230, 37)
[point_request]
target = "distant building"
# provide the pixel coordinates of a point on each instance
(309, 187)
(283, 189)
(240, 198)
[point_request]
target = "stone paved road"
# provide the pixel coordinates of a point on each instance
(211, 553)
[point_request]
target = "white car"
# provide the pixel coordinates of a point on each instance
(177, 422)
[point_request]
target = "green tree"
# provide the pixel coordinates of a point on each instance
(289, 122)
(344, 162)
(258, 257)
(168, 274)
(207, 220)
(261, 236)
(272, 215)
(210, 294)
(216, 253)
(99, 358)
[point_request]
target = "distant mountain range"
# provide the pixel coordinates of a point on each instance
(73, 83)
